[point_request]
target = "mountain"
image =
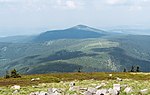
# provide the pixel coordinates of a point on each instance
(92, 51)
(76, 32)
(16, 39)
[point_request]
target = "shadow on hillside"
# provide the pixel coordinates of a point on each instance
(55, 67)
(65, 55)
(120, 57)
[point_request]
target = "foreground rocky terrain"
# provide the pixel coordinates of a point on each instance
(110, 86)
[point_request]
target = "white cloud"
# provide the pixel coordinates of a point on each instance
(59, 2)
(135, 8)
(71, 4)
(67, 4)
(115, 2)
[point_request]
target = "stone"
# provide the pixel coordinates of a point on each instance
(98, 87)
(92, 90)
(74, 88)
(119, 79)
(144, 91)
(36, 86)
(102, 92)
(87, 93)
(117, 87)
(103, 84)
(113, 91)
(110, 75)
(56, 90)
(128, 90)
(32, 79)
(72, 84)
(16, 87)
(50, 90)
(15, 92)
(61, 82)
(35, 79)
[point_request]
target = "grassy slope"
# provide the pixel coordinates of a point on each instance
(137, 81)
(25, 80)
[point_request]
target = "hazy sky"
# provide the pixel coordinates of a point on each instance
(18, 17)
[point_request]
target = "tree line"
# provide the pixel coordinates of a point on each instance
(133, 69)
(12, 74)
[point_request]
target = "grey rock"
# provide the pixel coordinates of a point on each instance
(102, 92)
(113, 91)
(92, 90)
(98, 87)
(128, 90)
(35, 79)
(74, 88)
(119, 79)
(87, 93)
(16, 92)
(50, 90)
(16, 87)
(72, 84)
(117, 87)
(103, 84)
(144, 91)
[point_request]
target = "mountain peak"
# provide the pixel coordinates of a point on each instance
(80, 26)
(86, 28)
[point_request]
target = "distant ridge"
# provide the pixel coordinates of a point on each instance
(76, 32)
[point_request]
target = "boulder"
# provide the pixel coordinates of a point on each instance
(102, 92)
(110, 75)
(144, 91)
(128, 90)
(113, 91)
(87, 93)
(103, 84)
(117, 87)
(50, 90)
(16, 87)
(74, 88)
(35, 79)
(72, 84)
(56, 90)
(119, 79)
(98, 87)
(16, 92)
(92, 90)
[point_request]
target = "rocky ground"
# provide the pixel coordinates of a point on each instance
(85, 87)
(117, 86)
